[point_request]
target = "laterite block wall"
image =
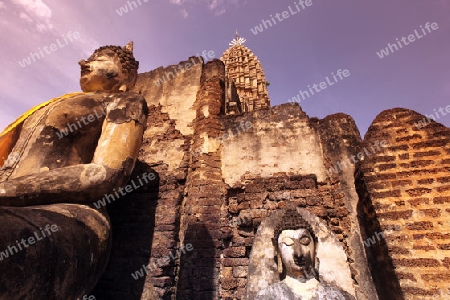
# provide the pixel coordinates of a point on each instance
(405, 195)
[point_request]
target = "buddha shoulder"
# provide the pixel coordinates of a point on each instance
(91, 108)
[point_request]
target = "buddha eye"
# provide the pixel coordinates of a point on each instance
(305, 240)
(288, 241)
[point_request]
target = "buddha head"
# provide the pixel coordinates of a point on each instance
(109, 69)
(296, 247)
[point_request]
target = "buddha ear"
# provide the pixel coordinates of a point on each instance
(279, 263)
(316, 268)
(129, 47)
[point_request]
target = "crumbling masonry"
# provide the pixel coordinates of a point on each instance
(215, 197)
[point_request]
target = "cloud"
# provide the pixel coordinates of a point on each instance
(39, 12)
(2, 5)
(214, 5)
(217, 7)
(25, 17)
(184, 13)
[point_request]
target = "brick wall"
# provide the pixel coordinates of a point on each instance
(340, 139)
(283, 158)
(212, 191)
(405, 194)
(198, 276)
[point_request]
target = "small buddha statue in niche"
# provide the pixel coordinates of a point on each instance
(295, 245)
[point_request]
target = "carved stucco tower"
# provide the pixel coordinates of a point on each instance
(244, 69)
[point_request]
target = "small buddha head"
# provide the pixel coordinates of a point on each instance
(296, 247)
(109, 69)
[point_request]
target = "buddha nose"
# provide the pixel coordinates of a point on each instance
(83, 63)
(298, 248)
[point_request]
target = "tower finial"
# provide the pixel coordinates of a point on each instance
(237, 40)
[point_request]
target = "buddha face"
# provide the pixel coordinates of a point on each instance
(297, 250)
(104, 72)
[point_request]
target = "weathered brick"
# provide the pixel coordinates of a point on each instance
(395, 193)
(444, 246)
(427, 153)
(407, 276)
(240, 272)
(436, 277)
(254, 188)
(399, 250)
(408, 138)
(420, 226)
(432, 212)
(383, 167)
(419, 291)
(396, 183)
(379, 177)
(423, 247)
(417, 262)
(227, 272)
(234, 262)
(437, 236)
(398, 148)
(383, 158)
(404, 156)
(420, 172)
(441, 200)
(418, 201)
(441, 189)
(235, 252)
(425, 181)
(418, 192)
(435, 143)
(395, 215)
(256, 199)
(421, 163)
(446, 262)
(445, 179)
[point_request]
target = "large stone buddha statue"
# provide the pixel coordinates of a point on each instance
(57, 159)
(297, 265)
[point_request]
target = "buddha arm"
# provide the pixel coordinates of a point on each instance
(112, 164)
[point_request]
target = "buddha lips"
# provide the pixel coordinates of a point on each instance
(300, 261)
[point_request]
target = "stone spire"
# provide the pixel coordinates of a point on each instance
(244, 68)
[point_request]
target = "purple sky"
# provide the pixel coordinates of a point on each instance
(299, 51)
